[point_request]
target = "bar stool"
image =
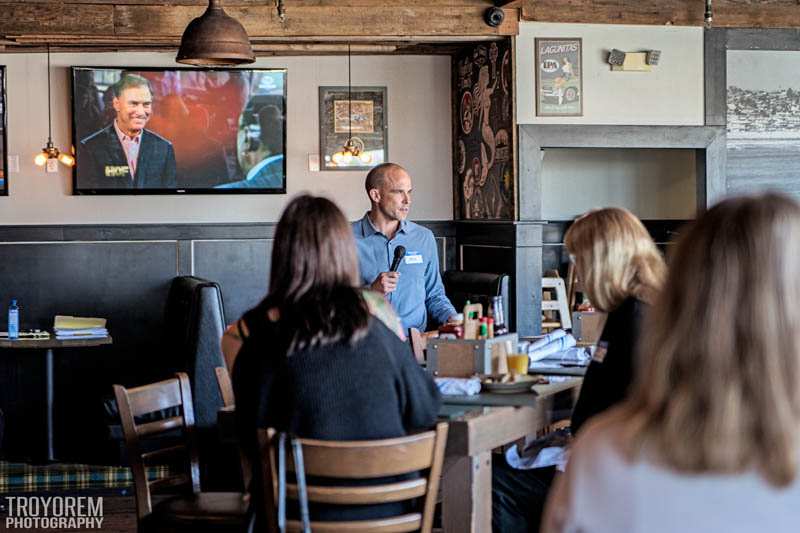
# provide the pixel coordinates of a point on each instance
(554, 299)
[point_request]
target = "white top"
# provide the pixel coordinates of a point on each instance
(601, 492)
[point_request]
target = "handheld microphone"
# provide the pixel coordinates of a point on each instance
(399, 253)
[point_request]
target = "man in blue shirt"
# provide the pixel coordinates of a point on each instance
(415, 290)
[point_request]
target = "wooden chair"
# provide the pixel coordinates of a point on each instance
(417, 342)
(351, 460)
(228, 401)
(189, 509)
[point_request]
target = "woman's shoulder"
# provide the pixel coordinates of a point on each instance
(382, 310)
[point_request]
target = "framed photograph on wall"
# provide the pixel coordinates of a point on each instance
(559, 77)
(360, 115)
(3, 134)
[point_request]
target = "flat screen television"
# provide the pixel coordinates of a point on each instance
(179, 130)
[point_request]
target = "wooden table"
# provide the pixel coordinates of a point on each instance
(467, 473)
(475, 430)
(47, 346)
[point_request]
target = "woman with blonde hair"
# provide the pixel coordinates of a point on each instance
(709, 439)
(622, 272)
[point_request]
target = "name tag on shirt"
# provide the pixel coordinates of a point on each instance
(413, 258)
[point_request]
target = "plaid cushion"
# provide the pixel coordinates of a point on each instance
(21, 477)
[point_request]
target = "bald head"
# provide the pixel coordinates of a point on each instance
(376, 178)
(389, 190)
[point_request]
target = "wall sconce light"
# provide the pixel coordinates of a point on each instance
(215, 39)
(50, 152)
(633, 61)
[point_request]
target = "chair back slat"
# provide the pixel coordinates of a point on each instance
(421, 453)
(139, 401)
(398, 524)
(225, 386)
(367, 459)
(229, 401)
(159, 426)
(154, 397)
(168, 483)
(417, 343)
(390, 492)
(152, 457)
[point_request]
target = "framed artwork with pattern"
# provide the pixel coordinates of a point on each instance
(359, 115)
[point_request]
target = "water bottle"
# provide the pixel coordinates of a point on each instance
(13, 320)
(500, 326)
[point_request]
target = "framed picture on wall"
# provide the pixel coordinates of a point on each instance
(3, 135)
(358, 115)
(559, 77)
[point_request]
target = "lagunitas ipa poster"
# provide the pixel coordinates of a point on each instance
(559, 77)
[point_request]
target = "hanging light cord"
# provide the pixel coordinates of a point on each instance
(349, 100)
(49, 111)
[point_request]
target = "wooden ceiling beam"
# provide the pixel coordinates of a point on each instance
(727, 13)
(302, 20)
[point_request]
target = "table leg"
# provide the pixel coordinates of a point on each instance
(467, 494)
(49, 393)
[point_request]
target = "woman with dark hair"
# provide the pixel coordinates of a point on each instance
(313, 357)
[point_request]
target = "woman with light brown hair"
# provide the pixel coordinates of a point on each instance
(709, 439)
(621, 271)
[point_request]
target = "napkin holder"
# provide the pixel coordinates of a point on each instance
(462, 358)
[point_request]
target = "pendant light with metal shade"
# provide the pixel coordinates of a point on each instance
(50, 151)
(215, 39)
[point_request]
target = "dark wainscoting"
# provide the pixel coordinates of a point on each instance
(525, 250)
(513, 248)
(122, 273)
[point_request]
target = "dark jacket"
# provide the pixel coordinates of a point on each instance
(373, 389)
(610, 373)
(101, 162)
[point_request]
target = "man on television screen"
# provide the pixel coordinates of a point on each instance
(125, 155)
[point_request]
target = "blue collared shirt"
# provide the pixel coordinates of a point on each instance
(419, 293)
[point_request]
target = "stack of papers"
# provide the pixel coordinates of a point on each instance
(75, 327)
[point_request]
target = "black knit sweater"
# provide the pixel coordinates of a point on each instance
(610, 373)
(372, 389)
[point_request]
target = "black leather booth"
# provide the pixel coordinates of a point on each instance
(461, 286)
(195, 322)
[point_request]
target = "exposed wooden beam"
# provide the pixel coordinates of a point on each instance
(304, 20)
(727, 13)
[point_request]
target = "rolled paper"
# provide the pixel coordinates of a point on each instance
(559, 345)
(547, 339)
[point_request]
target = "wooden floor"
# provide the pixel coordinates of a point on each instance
(119, 516)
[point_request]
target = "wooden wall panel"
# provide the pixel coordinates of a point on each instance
(727, 13)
